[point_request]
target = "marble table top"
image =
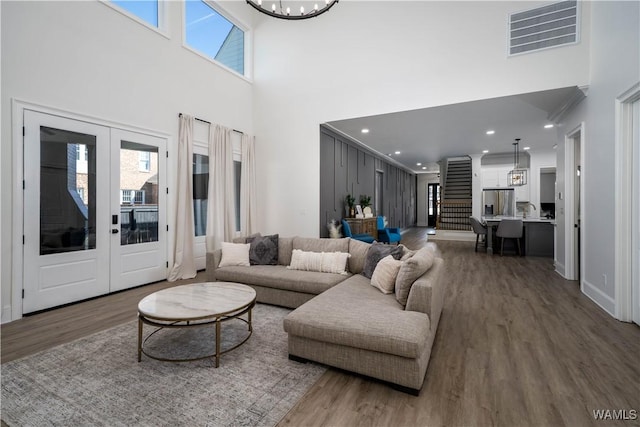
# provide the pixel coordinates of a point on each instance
(196, 301)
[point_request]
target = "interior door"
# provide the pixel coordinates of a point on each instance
(66, 233)
(138, 209)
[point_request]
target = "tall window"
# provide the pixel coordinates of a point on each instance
(213, 35)
(146, 10)
(200, 193)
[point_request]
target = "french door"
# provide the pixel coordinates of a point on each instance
(94, 210)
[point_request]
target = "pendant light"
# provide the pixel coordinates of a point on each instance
(292, 10)
(517, 176)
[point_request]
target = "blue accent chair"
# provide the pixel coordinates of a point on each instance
(388, 235)
(346, 230)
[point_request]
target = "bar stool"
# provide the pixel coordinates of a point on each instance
(479, 229)
(509, 229)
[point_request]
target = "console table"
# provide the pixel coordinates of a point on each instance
(364, 226)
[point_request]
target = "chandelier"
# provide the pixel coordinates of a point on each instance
(517, 176)
(276, 9)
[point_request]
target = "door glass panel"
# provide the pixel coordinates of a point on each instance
(67, 191)
(138, 193)
(200, 193)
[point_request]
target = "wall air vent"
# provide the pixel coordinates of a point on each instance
(549, 26)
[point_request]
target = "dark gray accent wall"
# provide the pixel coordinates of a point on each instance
(348, 168)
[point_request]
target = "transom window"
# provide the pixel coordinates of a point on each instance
(146, 10)
(213, 35)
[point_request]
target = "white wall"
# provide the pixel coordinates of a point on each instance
(87, 58)
(366, 58)
(614, 68)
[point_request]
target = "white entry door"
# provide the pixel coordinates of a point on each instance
(66, 211)
(94, 210)
(138, 217)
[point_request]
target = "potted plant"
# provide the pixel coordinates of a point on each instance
(350, 204)
(365, 201)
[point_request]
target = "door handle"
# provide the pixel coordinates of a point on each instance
(114, 231)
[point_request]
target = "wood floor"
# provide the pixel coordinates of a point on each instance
(517, 345)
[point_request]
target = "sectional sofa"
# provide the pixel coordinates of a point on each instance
(341, 320)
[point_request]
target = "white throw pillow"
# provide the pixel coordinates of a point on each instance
(324, 262)
(384, 276)
(234, 254)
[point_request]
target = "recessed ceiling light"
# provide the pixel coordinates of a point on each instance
(491, 132)
(549, 126)
(485, 151)
(418, 164)
(424, 167)
(397, 152)
(526, 148)
(389, 154)
(365, 130)
(555, 146)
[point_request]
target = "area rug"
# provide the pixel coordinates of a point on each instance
(98, 381)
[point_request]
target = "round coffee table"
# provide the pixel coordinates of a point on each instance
(195, 305)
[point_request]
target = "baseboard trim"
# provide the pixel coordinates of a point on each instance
(601, 299)
(6, 314)
(560, 269)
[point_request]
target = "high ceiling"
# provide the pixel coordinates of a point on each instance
(428, 135)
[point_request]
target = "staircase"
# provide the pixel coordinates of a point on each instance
(456, 203)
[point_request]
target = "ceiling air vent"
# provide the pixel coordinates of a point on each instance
(543, 27)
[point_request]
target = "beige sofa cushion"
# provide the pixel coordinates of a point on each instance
(355, 314)
(358, 250)
(320, 244)
(285, 246)
(410, 270)
(279, 277)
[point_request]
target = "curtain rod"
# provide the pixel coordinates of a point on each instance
(209, 123)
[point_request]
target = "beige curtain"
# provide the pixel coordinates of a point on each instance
(184, 266)
(248, 210)
(221, 221)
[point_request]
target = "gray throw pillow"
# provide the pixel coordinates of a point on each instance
(375, 253)
(263, 250)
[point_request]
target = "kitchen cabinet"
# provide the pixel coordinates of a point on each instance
(496, 177)
(539, 239)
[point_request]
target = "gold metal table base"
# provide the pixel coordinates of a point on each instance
(217, 321)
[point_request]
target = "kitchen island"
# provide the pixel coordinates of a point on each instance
(537, 235)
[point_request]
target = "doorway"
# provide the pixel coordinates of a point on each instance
(574, 177)
(94, 210)
(433, 196)
(627, 206)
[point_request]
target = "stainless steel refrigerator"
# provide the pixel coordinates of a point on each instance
(499, 201)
